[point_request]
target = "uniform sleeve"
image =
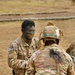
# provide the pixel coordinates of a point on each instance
(70, 70)
(31, 66)
(70, 48)
(13, 62)
(71, 51)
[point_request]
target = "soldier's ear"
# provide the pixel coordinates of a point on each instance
(22, 30)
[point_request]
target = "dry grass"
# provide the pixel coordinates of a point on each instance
(11, 30)
(22, 6)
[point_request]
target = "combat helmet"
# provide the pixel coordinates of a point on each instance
(50, 32)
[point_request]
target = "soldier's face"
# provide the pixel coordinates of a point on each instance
(29, 32)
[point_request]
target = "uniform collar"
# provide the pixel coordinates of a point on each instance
(53, 45)
(24, 42)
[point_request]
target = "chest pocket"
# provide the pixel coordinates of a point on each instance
(21, 53)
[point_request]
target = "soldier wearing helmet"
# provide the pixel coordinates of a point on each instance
(71, 50)
(51, 59)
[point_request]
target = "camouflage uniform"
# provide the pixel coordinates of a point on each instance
(41, 63)
(71, 51)
(19, 52)
(51, 60)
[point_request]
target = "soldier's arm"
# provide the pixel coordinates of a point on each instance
(31, 67)
(70, 70)
(13, 62)
(70, 48)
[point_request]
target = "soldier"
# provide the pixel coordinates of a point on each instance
(71, 51)
(51, 59)
(22, 48)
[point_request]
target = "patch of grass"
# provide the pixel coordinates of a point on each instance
(35, 6)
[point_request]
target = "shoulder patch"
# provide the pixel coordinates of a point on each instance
(11, 48)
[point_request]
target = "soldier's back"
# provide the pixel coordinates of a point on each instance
(51, 61)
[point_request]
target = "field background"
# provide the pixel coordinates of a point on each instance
(12, 30)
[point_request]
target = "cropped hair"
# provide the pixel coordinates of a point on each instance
(27, 23)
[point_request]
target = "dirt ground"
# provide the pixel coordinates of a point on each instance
(11, 30)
